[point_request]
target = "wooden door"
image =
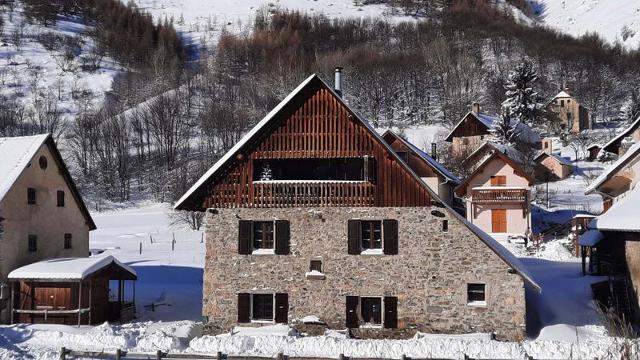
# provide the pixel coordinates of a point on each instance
(499, 180)
(499, 220)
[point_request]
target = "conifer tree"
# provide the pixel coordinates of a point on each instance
(505, 129)
(522, 101)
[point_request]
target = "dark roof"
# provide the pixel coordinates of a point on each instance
(615, 142)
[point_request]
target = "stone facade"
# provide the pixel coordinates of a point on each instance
(429, 276)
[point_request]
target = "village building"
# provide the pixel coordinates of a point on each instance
(621, 142)
(71, 291)
(439, 179)
(612, 243)
(497, 192)
(573, 116)
(312, 219)
(474, 129)
(552, 167)
(42, 215)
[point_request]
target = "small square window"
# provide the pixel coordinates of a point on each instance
(262, 307)
(315, 265)
(263, 235)
(403, 155)
(371, 310)
(60, 198)
(445, 225)
(67, 241)
(33, 243)
(31, 196)
(476, 294)
(371, 235)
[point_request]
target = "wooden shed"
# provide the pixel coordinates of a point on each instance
(71, 291)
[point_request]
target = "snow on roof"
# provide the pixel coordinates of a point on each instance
(622, 216)
(561, 94)
(592, 146)
(590, 238)
(17, 153)
(623, 134)
(630, 155)
(558, 158)
(526, 133)
(66, 268)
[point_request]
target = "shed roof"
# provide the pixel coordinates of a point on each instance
(632, 154)
(622, 216)
(590, 238)
(618, 138)
(73, 269)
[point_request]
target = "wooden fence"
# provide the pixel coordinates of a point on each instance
(66, 354)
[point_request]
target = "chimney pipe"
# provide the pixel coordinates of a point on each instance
(475, 107)
(338, 81)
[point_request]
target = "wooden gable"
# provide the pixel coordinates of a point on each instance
(468, 126)
(313, 124)
(420, 166)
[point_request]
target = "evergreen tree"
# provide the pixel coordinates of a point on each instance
(505, 129)
(631, 110)
(522, 101)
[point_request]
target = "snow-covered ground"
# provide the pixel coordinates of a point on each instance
(614, 20)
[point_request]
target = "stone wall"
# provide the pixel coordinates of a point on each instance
(429, 275)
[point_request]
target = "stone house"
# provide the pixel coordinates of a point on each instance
(573, 117)
(497, 193)
(439, 179)
(313, 220)
(474, 129)
(42, 214)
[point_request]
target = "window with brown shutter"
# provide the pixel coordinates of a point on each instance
(245, 227)
(390, 233)
(499, 180)
(282, 308)
(354, 236)
(390, 312)
(283, 235)
(244, 307)
(352, 319)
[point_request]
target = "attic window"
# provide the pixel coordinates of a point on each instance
(476, 294)
(42, 161)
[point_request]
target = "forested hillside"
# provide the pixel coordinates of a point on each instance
(169, 115)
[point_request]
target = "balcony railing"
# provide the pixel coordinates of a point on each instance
(289, 193)
(500, 195)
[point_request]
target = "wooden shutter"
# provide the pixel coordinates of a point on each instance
(245, 227)
(390, 312)
(282, 237)
(282, 308)
(354, 235)
(244, 304)
(352, 312)
(390, 233)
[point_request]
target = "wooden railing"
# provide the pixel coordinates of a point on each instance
(307, 193)
(493, 195)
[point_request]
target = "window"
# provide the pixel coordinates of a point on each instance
(67, 241)
(476, 294)
(562, 103)
(499, 180)
(371, 310)
(60, 198)
(262, 307)
(337, 169)
(31, 196)
(42, 161)
(569, 116)
(371, 235)
(262, 235)
(403, 155)
(33, 243)
(315, 265)
(445, 225)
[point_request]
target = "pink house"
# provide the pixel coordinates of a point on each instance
(497, 193)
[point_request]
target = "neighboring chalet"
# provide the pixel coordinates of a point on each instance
(439, 179)
(573, 117)
(474, 129)
(621, 142)
(613, 241)
(497, 193)
(312, 214)
(552, 167)
(42, 215)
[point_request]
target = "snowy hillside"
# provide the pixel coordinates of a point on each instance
(614, 20)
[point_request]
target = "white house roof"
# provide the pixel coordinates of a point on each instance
(629, 156)
(590, 238)
(562, 94)
(73, 269)
(622, 216)
(15, 154)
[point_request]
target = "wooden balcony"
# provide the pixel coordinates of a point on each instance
(499, 195)
(313, 193)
